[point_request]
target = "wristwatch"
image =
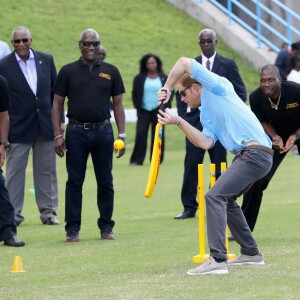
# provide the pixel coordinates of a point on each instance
(122, 135)
(5, 144)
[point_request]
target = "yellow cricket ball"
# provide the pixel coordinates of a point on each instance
(119, 144)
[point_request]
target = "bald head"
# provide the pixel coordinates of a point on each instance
(21, 29)
(207, 42)
(87, 32)
(102, 53)
(209, 32)
(270, 68)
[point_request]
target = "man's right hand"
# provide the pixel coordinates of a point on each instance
(277, 143)
(59, 146)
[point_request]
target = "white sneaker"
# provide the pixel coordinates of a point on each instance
(210, 266)
(243, 259)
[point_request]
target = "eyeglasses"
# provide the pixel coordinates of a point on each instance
(183, 93)
(18, 41)
(202, 42)
(89, 44)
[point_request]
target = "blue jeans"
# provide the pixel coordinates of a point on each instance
(80, 143)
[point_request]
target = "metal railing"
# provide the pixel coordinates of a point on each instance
(256, 18)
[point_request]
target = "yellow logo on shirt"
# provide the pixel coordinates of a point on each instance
(106, 76)
(292, 105)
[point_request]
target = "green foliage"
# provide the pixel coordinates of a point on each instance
(128, 29)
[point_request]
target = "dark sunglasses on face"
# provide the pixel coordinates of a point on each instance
(183, 93)
(18, 41)
(88, 44)
(202, 42)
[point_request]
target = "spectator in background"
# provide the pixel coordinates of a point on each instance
(294, 75)
(294, 69)
(102, 56)
(144, 96)
(4, 49)
(102, 53)
(276, 104)
(8, 230)
(284, 46)
(88, 83)
(224, 67)
(282, 60)
(30, 75)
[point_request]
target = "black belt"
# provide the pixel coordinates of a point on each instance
(88, 125)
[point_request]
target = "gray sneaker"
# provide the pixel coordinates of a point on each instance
(210, 266)
(243, 259)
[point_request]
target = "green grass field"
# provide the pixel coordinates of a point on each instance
(153, 251)
(128, 29)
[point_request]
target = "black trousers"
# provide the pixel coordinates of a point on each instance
(81, 143)
(193, 157)
(7, 213)
(253, 197)
(145, 118)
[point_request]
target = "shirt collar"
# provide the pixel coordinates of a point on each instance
(31, 55)
(211, 59)
(81, 63)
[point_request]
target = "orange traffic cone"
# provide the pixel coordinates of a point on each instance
(17, 265)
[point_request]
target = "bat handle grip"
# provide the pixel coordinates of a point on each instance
(162, 107)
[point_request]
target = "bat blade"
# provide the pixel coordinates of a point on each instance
(155, 161)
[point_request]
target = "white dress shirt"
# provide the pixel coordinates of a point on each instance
(29, 70)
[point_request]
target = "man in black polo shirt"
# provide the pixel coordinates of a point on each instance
(276, 104)
(88, 83)
(8, 229)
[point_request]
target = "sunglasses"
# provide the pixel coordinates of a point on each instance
(89, 44)
(18, 41)
(202, 42)
(183, 93)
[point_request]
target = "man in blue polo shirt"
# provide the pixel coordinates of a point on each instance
(225, 118)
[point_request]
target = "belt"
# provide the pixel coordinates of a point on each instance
(251, 143)
(261, 147)
(88, 126)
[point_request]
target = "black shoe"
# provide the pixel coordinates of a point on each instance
(14, 241)
(107, 234)
(230, 237)
(51, 221)
(72, 236)
(185, 215)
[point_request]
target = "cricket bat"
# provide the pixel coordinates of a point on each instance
(155, 159)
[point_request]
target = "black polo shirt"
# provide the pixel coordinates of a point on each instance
(4, 95)
(88, 92)
(285, 120)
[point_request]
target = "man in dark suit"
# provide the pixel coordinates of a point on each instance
(30, 75)
(224, 67)
(282, 61)
(8, 230)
